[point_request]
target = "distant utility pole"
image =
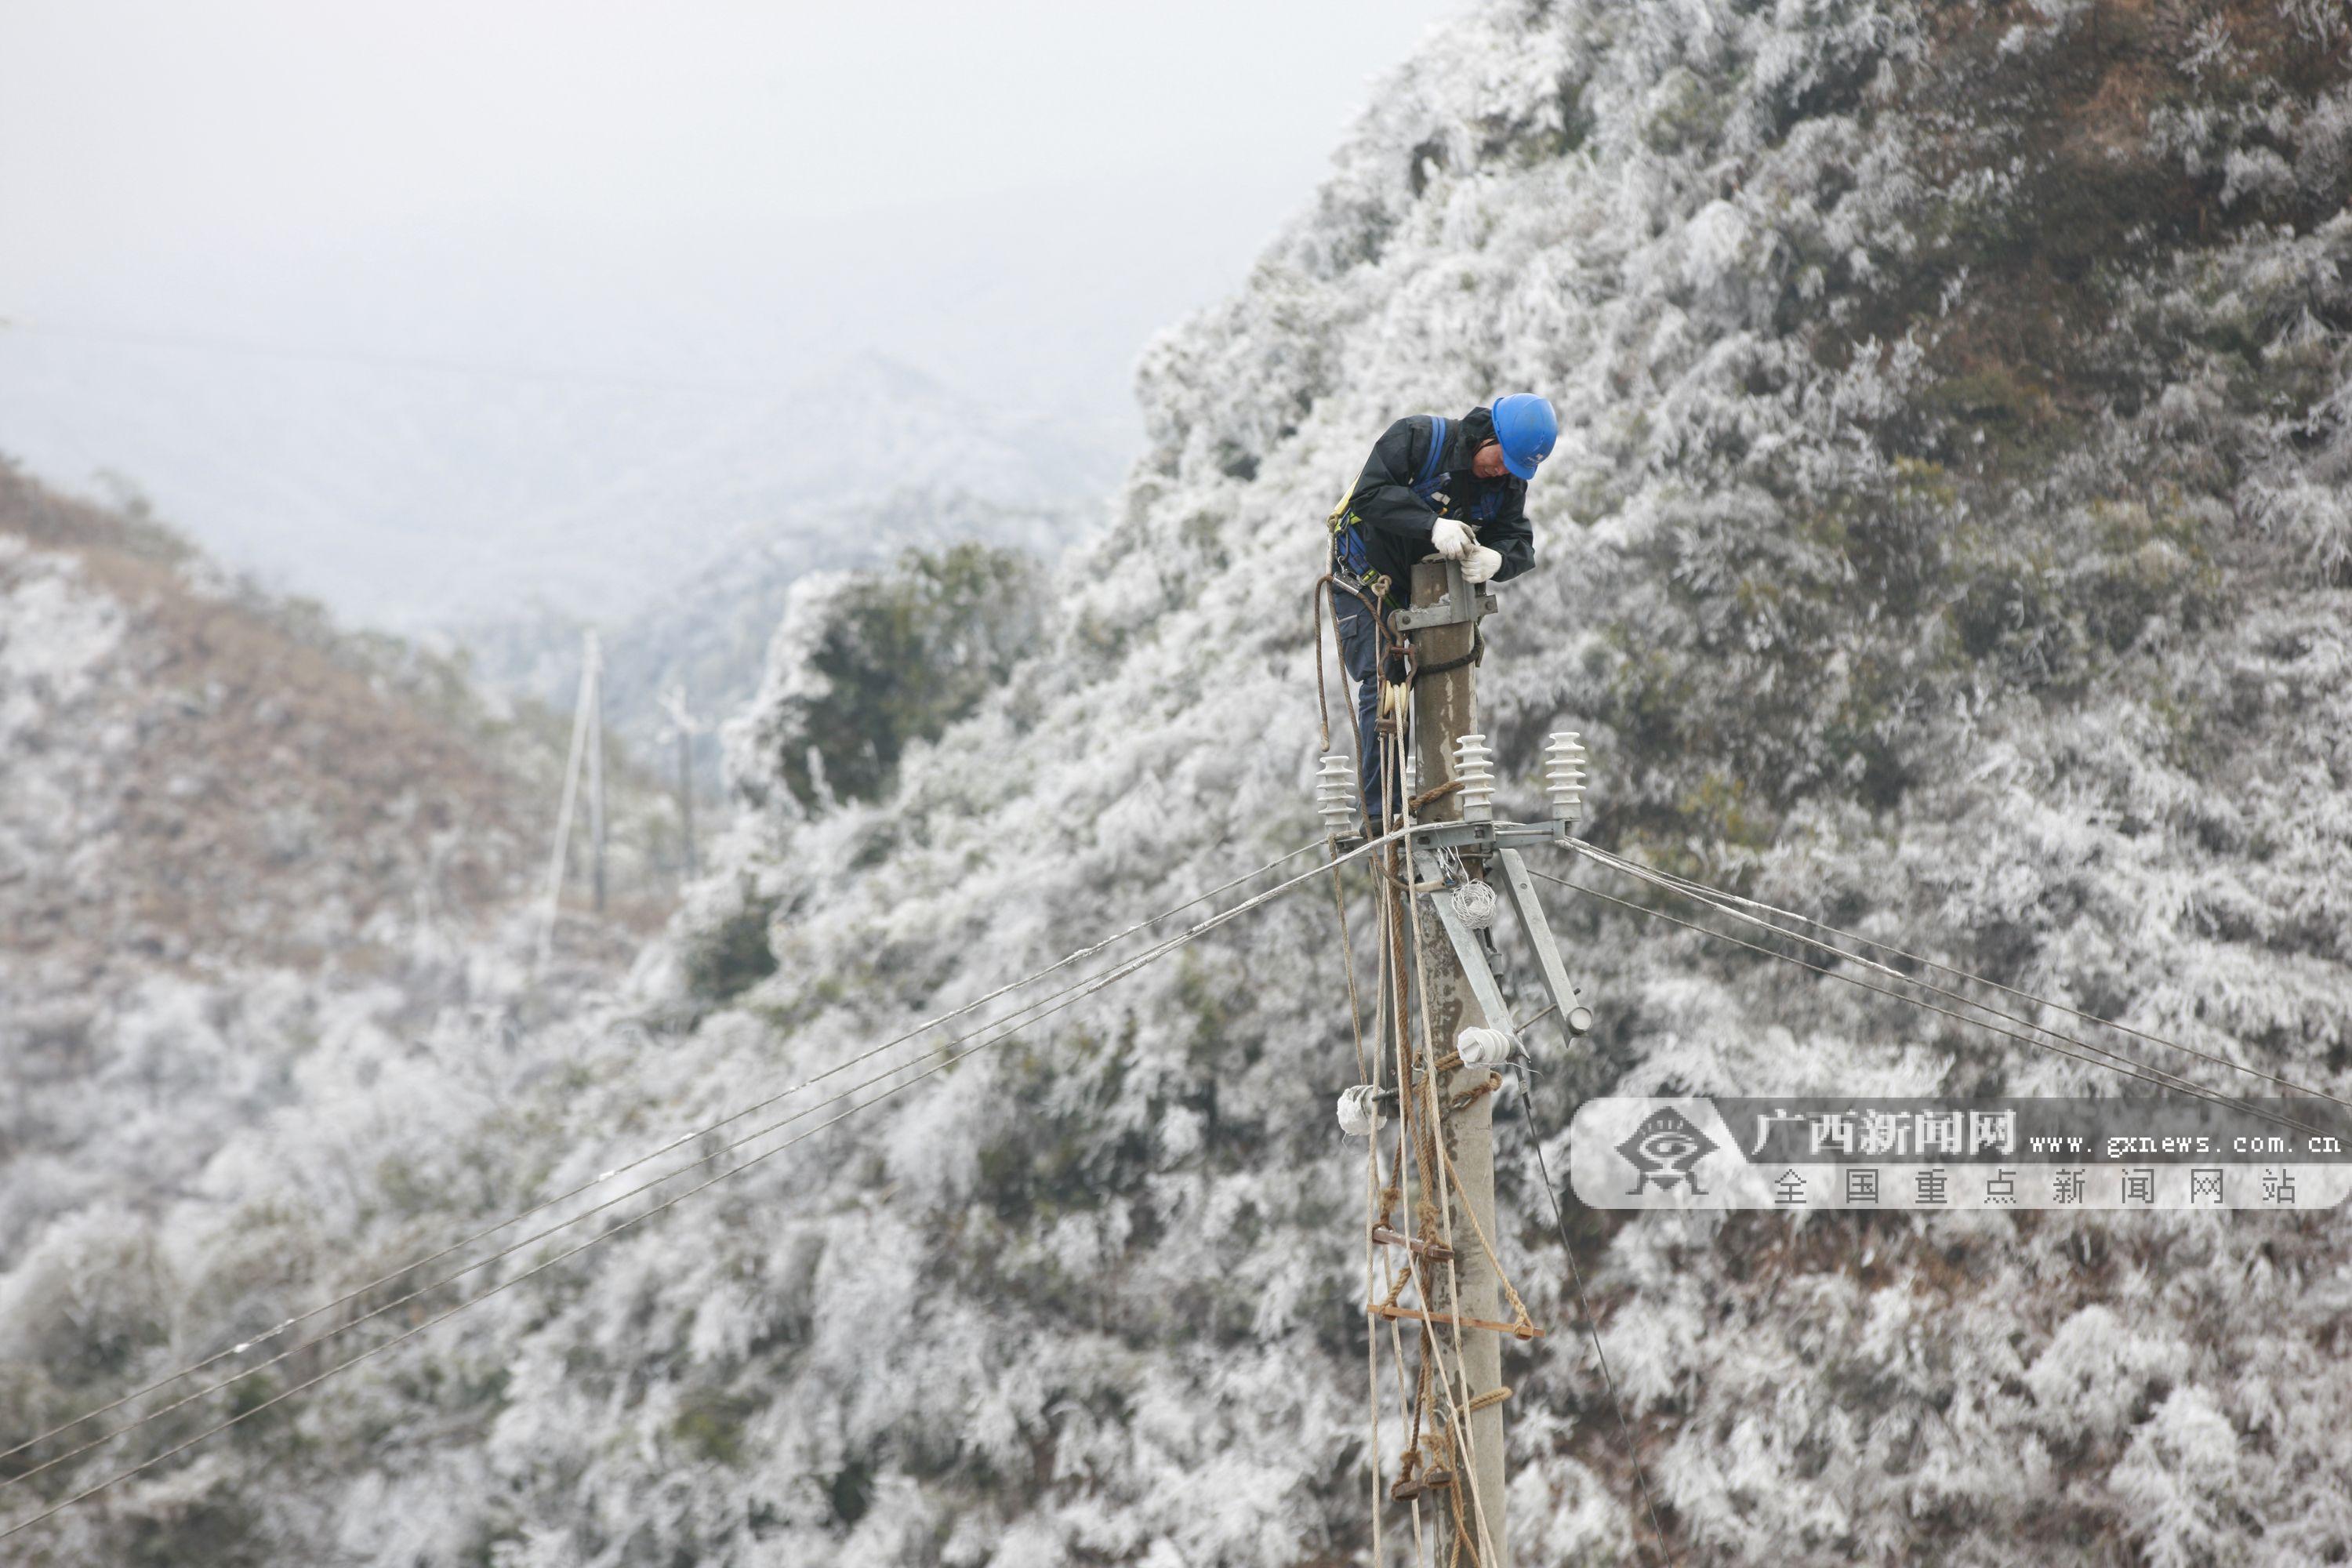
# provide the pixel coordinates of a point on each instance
(592, 687)
(1444, 709)
(682, 726)
(588, 745)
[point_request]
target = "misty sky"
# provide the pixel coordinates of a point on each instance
(1012, 197)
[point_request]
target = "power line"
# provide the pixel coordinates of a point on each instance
(674, 1143)
(1082, 989)
(526, 1241)
(1583, 1296)
(1722, 899)
(247, 348)
(1699, 893)
(541, 1267)
(1592, 1331)
(2125, 1065)
(1642, 873)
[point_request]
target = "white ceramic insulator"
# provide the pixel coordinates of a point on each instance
(1335, 792)
(1475, 902)
(1564, 775)
(1483, 1047)
(1360, 1115)
(1474, 764)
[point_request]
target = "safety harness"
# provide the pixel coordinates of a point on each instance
(1347, 554)
(1351, 572)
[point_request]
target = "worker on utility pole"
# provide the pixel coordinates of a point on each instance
(1452, 488)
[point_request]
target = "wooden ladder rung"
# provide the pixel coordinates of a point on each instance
(1436, 1251)
(1411, 1487)
(1517, 1331)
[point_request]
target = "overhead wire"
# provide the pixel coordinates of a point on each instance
(1389, 748)
(681, 1140)
(1387, 1032)
(246, 348)
(1641, 873)
(1592, 1332)
(1083, 989)
(1367, 1073)
(513, 1248)
(1409, 1397)
(1697, 893)
(1590, 1319)
(2094, 1056)
(120, 1476)
(2119, 1060)
(1722, 899)
(2088, 1056)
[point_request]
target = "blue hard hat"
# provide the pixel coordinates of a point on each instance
(1526, 427)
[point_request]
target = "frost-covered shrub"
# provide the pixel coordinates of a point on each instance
(87, 1301)
(867, 664)
(730, 957)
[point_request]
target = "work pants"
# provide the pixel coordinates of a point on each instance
(1360, 649)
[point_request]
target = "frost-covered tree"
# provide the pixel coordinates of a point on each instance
(866, 664)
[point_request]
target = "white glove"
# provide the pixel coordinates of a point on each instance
(1481, 564)
(1450, 538)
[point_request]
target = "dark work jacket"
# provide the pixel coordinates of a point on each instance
(1390, 516)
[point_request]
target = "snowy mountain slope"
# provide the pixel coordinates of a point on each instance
(1948, 535)
(259, 881)
(191, 779)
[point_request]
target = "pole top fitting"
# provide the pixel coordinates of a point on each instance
(1461, 604)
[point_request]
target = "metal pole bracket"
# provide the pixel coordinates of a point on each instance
(1519, 890)
(1459, 607)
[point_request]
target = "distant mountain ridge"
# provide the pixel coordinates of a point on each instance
(203, 775)
(414, 499)
(242, 854)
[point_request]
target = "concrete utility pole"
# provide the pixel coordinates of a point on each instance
(1444, 708)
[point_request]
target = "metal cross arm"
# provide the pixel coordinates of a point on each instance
(1519, 888)
(1473, 960)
